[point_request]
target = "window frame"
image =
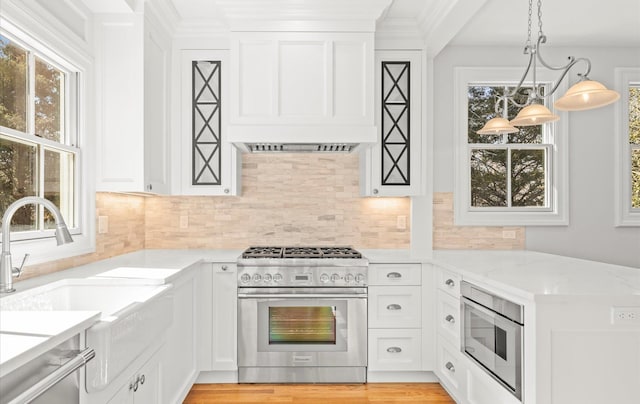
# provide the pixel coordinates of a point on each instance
(625, 215)
(556, 165)
(54, 49)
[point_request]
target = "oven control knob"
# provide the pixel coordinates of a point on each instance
(277, 278)
(245, 278)
(324, 278)
(267, 277)
(360, 278)
(335, 278)
(257, 277)
(348, 278)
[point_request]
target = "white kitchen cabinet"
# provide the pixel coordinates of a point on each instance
(179, 351)
(209, 164)
(144, 387)
(395, 319)
(224, 344)
(283, 80)
(395, 165)
(132, 87)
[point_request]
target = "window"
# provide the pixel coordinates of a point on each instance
(42, 121)
(628, 147)
(36, 141)
(509, 179)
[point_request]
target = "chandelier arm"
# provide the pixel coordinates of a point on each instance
(512, 94)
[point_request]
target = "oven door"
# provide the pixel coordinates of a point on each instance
(494, 342)
(320, 327)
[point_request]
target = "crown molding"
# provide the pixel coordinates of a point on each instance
(302, 15)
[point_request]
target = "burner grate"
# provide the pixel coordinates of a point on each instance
(300, 252)
(263, 252)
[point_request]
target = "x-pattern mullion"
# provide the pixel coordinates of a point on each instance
(395, 83)
(206, 81)
(395, 161)
(206, 122)
(207, 161)
(395, 123)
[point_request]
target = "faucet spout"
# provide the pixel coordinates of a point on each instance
(7, 272)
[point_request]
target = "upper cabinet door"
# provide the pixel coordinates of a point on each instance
(395, 165)
(285, 78)
(132, 76)
(209, 164)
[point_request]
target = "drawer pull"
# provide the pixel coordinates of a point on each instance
(394, 307)
(394, 349)
(394, 275)
(450, 283)
(450, 319)
(450, 367)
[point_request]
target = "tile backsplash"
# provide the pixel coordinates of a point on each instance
(286, 199)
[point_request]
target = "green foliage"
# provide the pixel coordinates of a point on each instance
(634, 138)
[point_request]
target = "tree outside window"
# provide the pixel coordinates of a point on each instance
(634, 144)
(36, 158)
(510, 170)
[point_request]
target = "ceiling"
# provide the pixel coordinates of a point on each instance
(504, 22)
(565, 22)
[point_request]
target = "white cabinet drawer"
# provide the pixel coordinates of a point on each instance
(395, 274)
(448, 317)
(394, 307)
(395, 349)
(450, 367)
(449, 282)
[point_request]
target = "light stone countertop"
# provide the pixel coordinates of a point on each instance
(530, 275)
(26, 335)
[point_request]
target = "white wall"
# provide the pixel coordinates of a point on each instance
(591, 233)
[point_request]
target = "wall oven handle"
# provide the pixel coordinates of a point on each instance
(54, 378)
(301, 296)
(394, 307)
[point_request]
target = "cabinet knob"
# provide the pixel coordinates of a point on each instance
(375, 191)
(224, 267)
(450, 367)
(394, 349)
(149, 187)
(394, 275)
(142, 379)
(450, 319)
(450, 283)
(394, 307)
(226, 190)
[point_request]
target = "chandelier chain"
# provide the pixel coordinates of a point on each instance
(540, 18)
(528, 44)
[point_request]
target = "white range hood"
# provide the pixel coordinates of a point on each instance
(302, 74)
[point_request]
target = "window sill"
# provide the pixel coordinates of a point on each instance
(46, 249)
(467, 218)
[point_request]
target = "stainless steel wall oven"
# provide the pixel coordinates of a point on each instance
(492, 335)
(302, 320)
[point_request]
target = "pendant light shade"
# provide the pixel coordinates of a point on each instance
(534, 114)
(497, 126)
(586, 94)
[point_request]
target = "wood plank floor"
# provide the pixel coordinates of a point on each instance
(428, 393)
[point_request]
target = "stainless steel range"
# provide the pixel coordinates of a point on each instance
(302, 315)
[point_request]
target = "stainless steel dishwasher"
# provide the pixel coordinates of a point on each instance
(51, 378)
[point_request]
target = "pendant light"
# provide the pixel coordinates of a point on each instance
(586, 94)
(499, 125)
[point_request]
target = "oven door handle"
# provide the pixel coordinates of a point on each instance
(301, 296)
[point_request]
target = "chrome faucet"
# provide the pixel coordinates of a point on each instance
(7, 271)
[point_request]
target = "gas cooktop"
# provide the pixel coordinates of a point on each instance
(300, 252)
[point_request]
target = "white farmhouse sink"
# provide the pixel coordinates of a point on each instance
(133, 316)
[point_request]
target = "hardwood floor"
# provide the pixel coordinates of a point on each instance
(428, 393)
